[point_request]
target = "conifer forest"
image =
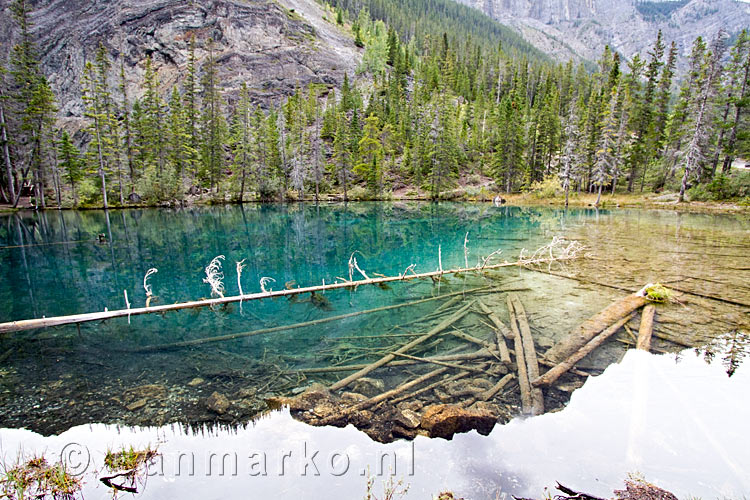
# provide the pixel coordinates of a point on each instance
(432, 105)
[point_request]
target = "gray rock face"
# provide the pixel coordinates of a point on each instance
(581, 28)
(263, 43)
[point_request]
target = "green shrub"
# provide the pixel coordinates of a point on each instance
(735, 185)
(550, 187)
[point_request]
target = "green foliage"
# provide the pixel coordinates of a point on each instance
(658, 293)
(38, 479)
(548, 188)
(736, 185)
(128, 458)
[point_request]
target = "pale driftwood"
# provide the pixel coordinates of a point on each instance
(439, 363)
(518, 315)
(390, 357)
(233, 336)
(398, 390)
(489, 393)
(529, 352)
(426, 388)
(555, 373)
(595, 325)
(647, 327)
(30, 324)
(501, 332)
(481, 354)
(523, 375)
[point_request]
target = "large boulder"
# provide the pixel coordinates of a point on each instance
(445, 420)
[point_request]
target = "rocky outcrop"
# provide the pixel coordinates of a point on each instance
(580, 29)
(318, 406)
(271, 47)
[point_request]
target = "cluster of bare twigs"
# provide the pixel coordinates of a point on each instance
(556, 250)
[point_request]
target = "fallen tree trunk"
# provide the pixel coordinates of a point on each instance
(552, 375)
(595, 325)
(481, 354)
(501, 332)
(426, 388)
(390, 357)
(518, 315)
(31, 324)
(233, 336)
(647, 327)
(523, 375)
(439, 363)
(398, 390)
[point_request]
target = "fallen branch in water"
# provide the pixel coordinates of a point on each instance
(518, 314)
(233, 336)
(30, 324)
(552, 375)
(390, 357)
(646, 328)
(596, 324)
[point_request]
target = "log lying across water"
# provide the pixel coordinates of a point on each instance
(532, 398)
(233, 336)
(552, 375)
(390, 357)
(647, 327)
(595, 325)
(31, 324)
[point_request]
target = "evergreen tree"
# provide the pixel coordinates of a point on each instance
(71, 163)
(213, 124)
(694, 153)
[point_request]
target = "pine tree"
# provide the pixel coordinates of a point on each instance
(71, 163)
(342, 154)
(694, 153)
(736, 96)
(126, 122)
(213, 126)
(243, 140)
(192, 114)
(371, 155)
(93, 97)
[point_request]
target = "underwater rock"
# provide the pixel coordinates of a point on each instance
(407, 419)
(637, 489)
(137, 405)
(217, 403)
(446, 420)
(313, 395)
(369, 386)
(195, 382)
(149, 391)
(352, 397)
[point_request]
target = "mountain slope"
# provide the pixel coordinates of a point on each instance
(260, 42)
(581, 28)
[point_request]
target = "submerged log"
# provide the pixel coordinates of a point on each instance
(481, 354)
(233, 336)
(501, 332)
(523, 375)
(396, 391)
(526, 355)
(552, 375)
(390, 357)
(31, 324)
(595, 325)
(647, 327)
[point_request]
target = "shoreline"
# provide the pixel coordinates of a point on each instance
(649, 202)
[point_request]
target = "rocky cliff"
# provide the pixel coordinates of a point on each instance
(272, 46)
(580, 28)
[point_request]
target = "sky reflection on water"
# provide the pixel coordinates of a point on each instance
(682, 425)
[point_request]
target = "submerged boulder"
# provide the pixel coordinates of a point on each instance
(217, 403)
(446, 420)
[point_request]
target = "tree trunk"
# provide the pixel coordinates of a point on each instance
(8, 164)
